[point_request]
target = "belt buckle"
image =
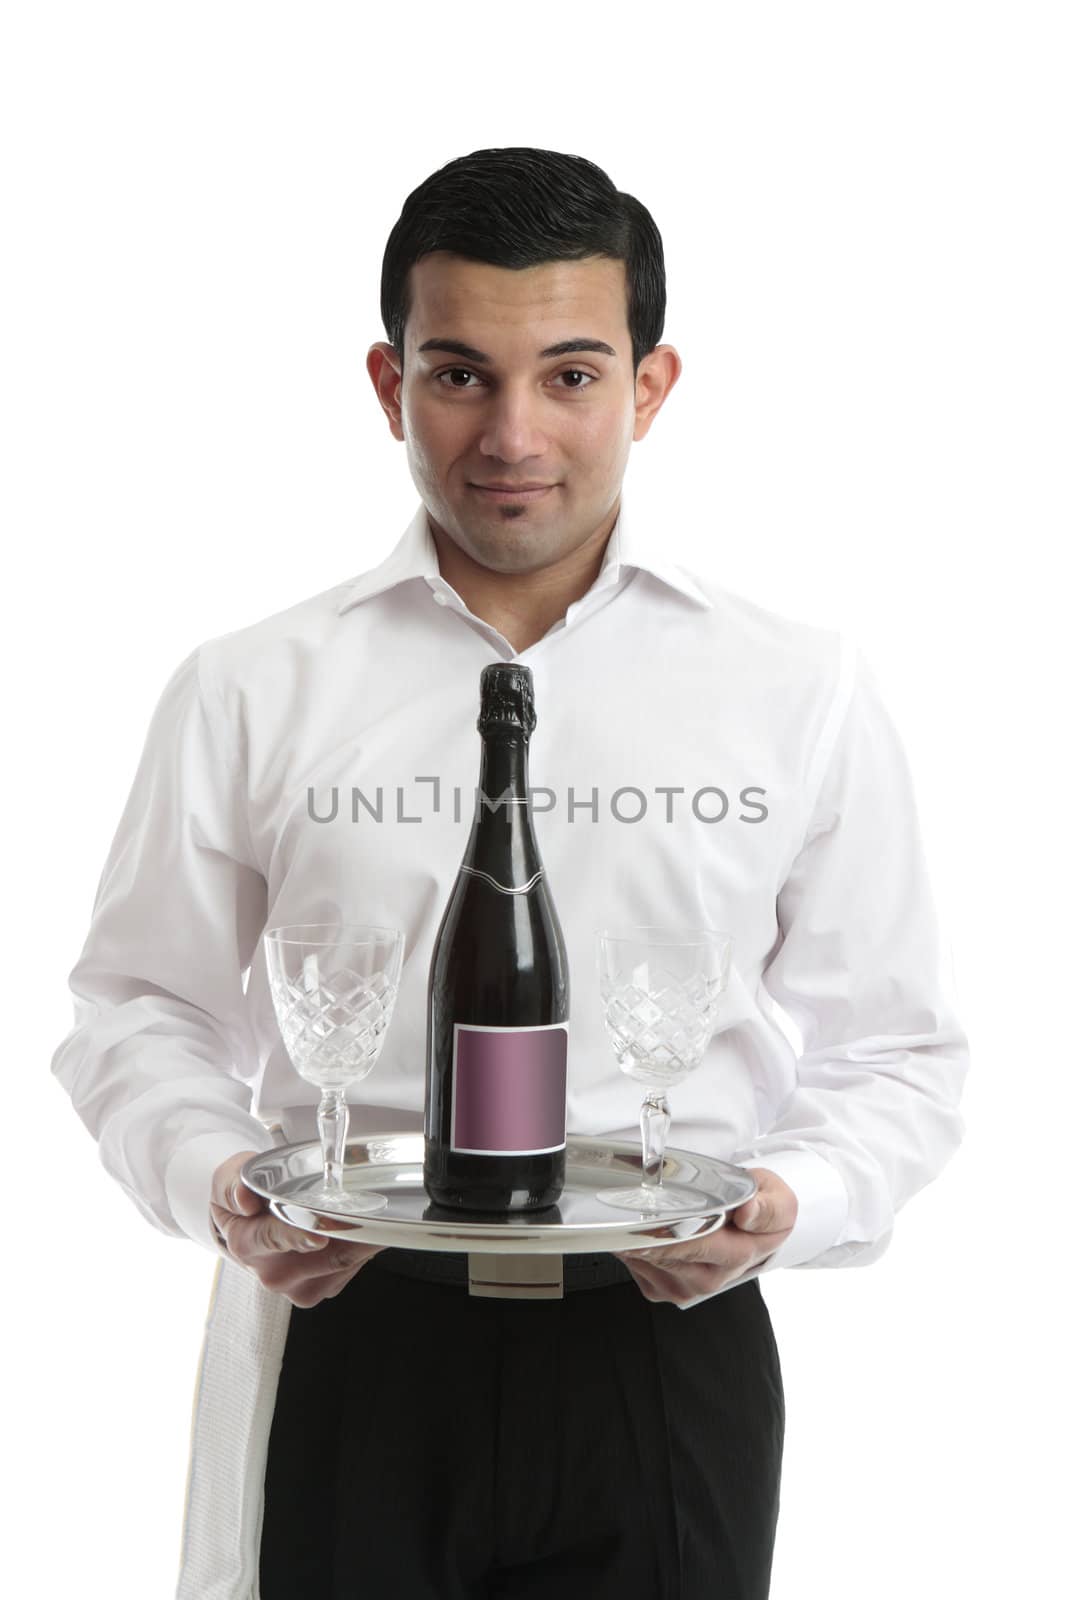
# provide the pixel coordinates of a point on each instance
(515, 1277)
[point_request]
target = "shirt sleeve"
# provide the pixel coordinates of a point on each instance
(160, 1061)
(861, 968)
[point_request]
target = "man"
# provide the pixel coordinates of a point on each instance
(364, 1426)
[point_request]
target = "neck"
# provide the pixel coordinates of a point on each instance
(523, 605)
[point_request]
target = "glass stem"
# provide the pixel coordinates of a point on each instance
(655, 1120)
(333, 1130)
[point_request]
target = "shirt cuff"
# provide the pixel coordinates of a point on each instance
(822, 1203)
(188, 1180)
(822, 1207)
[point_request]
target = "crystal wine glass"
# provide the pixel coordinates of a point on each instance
(334, 986)
(659, 987)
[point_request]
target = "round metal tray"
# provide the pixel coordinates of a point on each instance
(579, 1223)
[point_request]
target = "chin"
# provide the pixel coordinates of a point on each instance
(508, 561)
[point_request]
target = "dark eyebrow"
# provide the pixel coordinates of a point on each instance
(566, 347)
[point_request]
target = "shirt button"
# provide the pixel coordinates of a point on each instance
(442, 599)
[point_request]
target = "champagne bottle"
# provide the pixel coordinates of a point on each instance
(498, 994)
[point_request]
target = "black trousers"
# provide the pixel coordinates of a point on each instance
(428, 1444)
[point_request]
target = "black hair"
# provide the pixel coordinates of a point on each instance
(520, 207)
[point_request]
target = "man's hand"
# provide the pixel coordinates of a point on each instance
(303, 1266)
(704, 1266)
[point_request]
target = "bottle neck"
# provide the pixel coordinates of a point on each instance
(505, 771)
(502, 839)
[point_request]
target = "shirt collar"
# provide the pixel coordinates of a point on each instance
(629, 546)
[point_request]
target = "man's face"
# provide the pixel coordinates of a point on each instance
(501, 411)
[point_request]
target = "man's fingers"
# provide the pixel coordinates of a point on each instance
(772, 1209)
(727, 1247)
(244, 1201)
(259, 1239)
(685, 1281)
(251, 1237)
(337, 1257)
(323, 1286)
(227, 1190)
(269, 1234)
(723, 1248)
(306, 1280)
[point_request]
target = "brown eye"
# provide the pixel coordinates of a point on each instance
(447, 374)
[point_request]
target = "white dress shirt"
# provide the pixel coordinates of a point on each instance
(697, 760)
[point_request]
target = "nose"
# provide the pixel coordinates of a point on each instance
(513, 430)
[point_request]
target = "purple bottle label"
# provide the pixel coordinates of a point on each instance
(509, 1089)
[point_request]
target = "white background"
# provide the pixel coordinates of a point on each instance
(862, 208)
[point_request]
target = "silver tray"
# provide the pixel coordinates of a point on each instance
(391, 1164)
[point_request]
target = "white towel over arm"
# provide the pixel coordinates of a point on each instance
(160, 1062)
